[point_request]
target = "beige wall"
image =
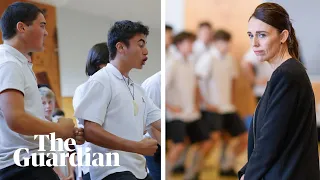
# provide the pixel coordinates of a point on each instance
(233, 16)
(68, 108)
(316, 89)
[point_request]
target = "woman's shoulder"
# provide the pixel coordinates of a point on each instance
(290, 71)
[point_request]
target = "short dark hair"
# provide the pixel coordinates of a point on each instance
(276, 16)
(168, 27)
(58, 112)
(204, 24)
(222, 35)
(98, 55)
(17, 12)
(123, 31)
(183, 36)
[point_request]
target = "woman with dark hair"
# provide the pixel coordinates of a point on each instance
(98, 58)
(283, 135)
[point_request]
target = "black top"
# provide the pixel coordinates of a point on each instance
(283, 141)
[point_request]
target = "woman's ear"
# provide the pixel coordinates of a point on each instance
(284, 36)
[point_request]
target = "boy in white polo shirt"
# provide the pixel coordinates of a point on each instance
(152, 86)
(48, 102)
(116, 111)
(21, 111)
(258, 73)
(98, 57)
(219, 69)
(204, 40)
(182, 106)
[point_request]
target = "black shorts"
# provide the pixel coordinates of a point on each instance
(177, 131)
(233, 124)
(212, 121)
(230, 122)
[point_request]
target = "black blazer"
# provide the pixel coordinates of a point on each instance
(282, 143)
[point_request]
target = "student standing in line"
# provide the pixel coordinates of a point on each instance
(182, 106)
(218, 68)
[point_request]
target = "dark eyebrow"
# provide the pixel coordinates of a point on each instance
(262, 32)
(258, 32)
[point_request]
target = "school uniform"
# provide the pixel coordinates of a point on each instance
(16, 74)
(152, 86)
(82, 171)
(219, 71)
(122, 108)
(180, 92)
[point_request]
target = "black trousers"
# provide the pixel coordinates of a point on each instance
(86, 176)
(126, 175)
(15, 172)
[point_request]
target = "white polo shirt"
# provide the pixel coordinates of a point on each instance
(263, 71)
(171, 52)
(106, 100)
(75, 101)
(220, 72)
(198, 49)
(16, 73)
(152, 86)
(180, 89)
